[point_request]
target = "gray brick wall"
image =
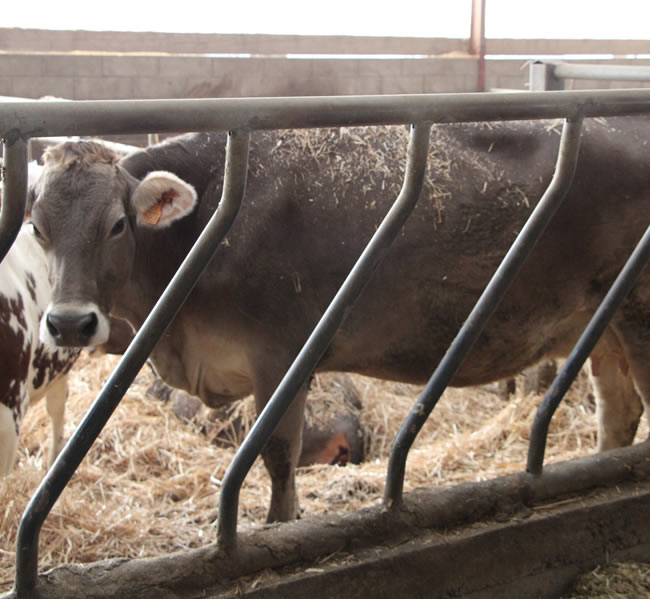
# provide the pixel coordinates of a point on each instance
(93, 77)
(104, 65)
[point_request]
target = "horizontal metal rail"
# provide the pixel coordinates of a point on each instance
(112, 117)
(550, 75)
(482, 311)
(147, 337)
(307, 360)
(589, 338)
(601, 72)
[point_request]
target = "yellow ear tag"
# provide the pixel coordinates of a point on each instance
(152, 215)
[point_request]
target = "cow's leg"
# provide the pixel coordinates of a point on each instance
(55, 403)
(634, 334)
(8, 440)
(281, 454)
(618, 405)
(640, 370)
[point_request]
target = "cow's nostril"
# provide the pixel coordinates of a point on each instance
(51, 327)
(69, 328)
(89, 325)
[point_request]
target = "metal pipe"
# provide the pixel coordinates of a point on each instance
(615, 72)
(306, 361)
(589, 338)
(14, 193)
(155, 325)
(25, 119)
(487, 303)
(477, 40)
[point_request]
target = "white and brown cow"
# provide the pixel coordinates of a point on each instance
(29, 369)
(313, 200)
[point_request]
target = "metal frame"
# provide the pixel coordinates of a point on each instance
(20, 121)
(550, 75)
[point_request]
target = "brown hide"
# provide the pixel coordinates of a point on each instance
(313, 200)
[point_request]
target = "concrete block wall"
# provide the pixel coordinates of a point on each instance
(113, 76)
(38, 40)
(83, 65)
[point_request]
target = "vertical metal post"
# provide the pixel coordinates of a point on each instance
(541, 77)
(477, 40)
(14, 193)
(487, 303)
(589, 338)
(306, 361)
(155, 325)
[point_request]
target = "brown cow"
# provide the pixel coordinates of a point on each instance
(313, 200)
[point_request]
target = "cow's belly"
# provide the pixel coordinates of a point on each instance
(205, 367)
(508, 345)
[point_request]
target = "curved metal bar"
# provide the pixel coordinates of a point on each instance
(14, 193)
(162, 314)
(306, 361)
(487, 303)
(589, 338)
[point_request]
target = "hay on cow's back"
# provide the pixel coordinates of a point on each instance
(150, 484)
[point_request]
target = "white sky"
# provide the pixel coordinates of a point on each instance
(593, 19)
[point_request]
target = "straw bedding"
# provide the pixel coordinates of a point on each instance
(150, 484)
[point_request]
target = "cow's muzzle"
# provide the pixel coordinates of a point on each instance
(74, 325)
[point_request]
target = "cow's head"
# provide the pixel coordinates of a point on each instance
(86, 210)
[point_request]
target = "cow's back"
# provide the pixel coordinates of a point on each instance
(314, 199)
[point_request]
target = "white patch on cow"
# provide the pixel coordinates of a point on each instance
(9, 439)
(103, 323)
(11, 292)
(34, 171)
(14, 324)
(165, 193)
(25, 291)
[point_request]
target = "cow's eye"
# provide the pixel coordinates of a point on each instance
(37, 234)
(118, 227)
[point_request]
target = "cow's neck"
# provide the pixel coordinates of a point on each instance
(185, 356)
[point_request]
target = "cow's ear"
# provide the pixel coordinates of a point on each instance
(162, 198)
(31, 198)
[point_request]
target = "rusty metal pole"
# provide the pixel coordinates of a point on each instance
(477, 40)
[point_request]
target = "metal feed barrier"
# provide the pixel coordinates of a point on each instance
(21, 121)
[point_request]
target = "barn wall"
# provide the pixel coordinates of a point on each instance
(83, 65)
(111, 76)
